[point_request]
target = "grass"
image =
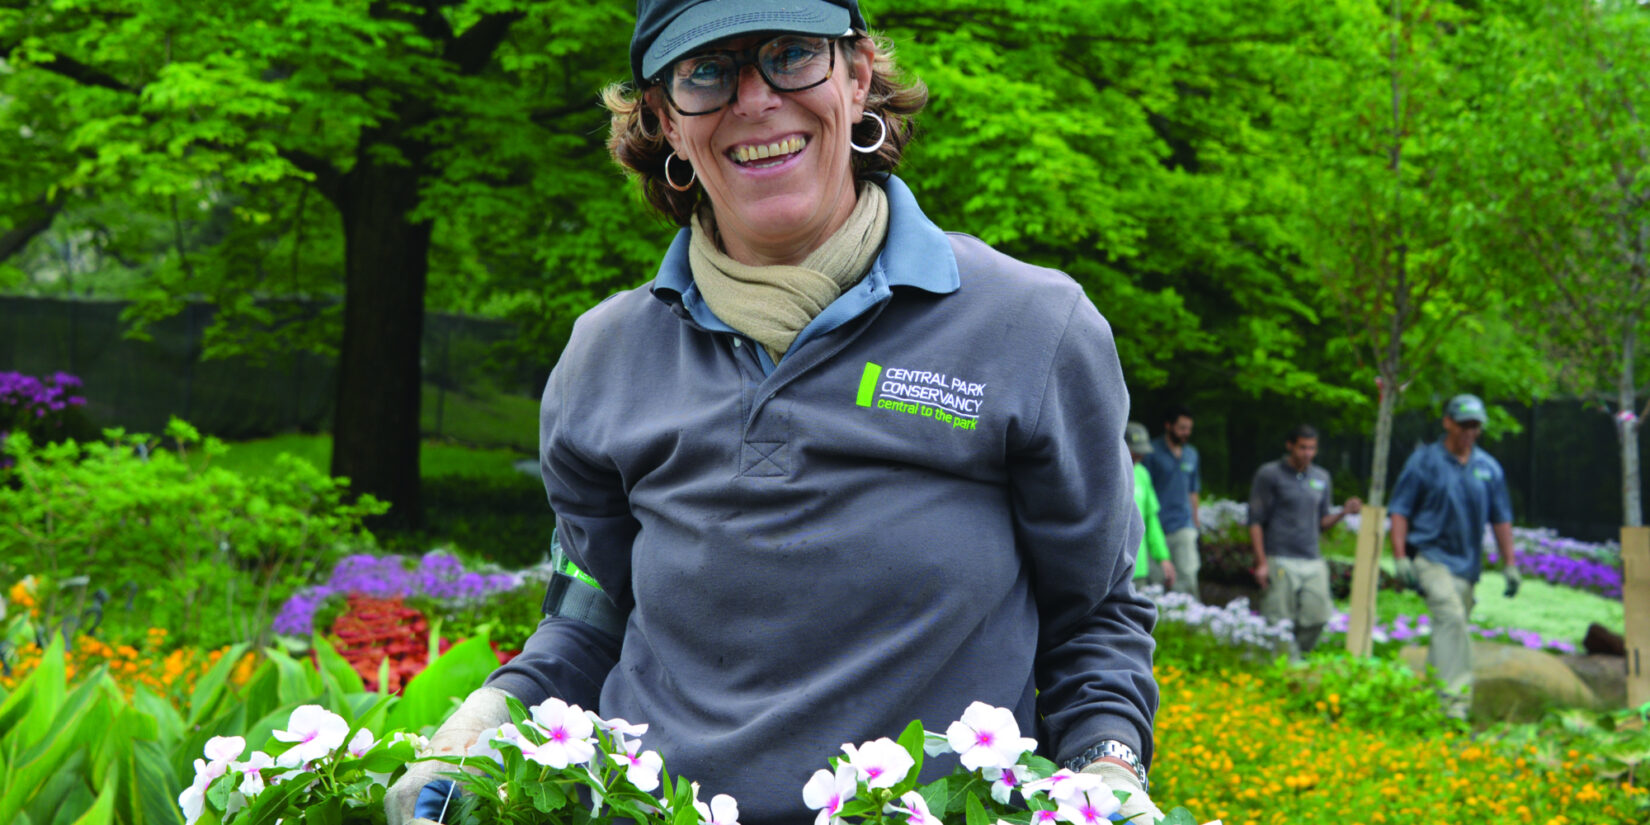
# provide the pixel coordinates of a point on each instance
(492, 419)
(436, 459)
(1553, 611)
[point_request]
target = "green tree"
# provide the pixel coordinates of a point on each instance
(1564, 193)
(469, 121)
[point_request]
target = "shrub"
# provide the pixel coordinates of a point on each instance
(205, 550)
(43, 408)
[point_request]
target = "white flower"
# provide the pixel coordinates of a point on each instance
(642, 769)
(224, 748)
(617, 727)
(722, 810)
(567, 734)
(315, 731)
(487, 741)
(1093, 806)
(1005, 780)
(882, 764)
(987, 737)
(362, 743)
(420, 744)
(251, 771)
(935, 744)
(915, 809)
(827, 792)
(1064, 786)
(1045, 818)
(193, 798)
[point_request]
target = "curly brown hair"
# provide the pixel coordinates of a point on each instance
(638, 144)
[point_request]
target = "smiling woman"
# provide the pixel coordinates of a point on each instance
(815, 505)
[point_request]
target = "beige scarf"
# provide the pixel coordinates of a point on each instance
(772, 304)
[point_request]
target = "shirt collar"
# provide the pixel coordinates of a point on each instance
(916, 254)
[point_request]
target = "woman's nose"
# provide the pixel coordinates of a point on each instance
(755, 95)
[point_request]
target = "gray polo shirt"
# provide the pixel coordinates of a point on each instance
(1175, 479)
(1289, 505)
(1448, 502)
(925, 503)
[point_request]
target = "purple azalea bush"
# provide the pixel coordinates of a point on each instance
(1550, 557)
(437, 575)
(37, 406)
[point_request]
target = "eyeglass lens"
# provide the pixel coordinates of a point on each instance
(701, 84)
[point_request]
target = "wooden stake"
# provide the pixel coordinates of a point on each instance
(1635, 598)
(1366, 577)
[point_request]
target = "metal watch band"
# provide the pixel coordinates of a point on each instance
(1115, 750)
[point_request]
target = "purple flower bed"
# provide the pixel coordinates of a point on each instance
(36, 397)
(437, 576)
(1405, 629)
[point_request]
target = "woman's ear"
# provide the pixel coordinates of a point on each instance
(864, 56)
(656, 103)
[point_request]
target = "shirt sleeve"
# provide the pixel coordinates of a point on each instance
(1408, 487)
(567, 658)
(1326, 501)
(1077, 524)
(1195, 483)
(1500, 502)
(1157, 545)
(1260, 499)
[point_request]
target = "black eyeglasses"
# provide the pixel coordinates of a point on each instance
(703, 83)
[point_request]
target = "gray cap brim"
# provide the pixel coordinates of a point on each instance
(707, 23)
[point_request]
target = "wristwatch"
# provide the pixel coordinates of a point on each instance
(1114, 749)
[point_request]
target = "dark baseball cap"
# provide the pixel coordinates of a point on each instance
(1139, 441)
(1465, 407)
(668, 29)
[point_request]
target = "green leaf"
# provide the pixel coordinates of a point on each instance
(102, 812)
(1180, 816)
(328, 811)
(297, 683)
(911, 739)
(428, 697)
(974, 812)
(210, 688)
(334, 665)
(936, 794)
(548, 797)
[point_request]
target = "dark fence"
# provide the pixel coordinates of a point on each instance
(470, 391)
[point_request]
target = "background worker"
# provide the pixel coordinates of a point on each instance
(1174, 466)
(1288, 507)
(1152, 562)
(1447, 492)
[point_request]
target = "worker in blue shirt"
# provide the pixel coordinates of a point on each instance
(1175, 467)
(1445, 495)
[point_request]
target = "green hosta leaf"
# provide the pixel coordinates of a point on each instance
(428, 697)
(1180, 816)
(333, 665)
(210, 688)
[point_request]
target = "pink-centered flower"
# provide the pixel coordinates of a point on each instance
(880, 764)
(315, 733)
(193, 798)
(1064, 785)
(224, 748)
(1094, 806)
(915, 809)
(987, 737)
(566, 735)
(640, 767)
(251, 771)
(827, 792)
(1005, 780)
(362, 743)
(1045, 818)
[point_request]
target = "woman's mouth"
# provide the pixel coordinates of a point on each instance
(762, 156)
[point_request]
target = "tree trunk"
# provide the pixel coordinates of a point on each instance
(1627, 427)
(375, 435)
(1383, 441)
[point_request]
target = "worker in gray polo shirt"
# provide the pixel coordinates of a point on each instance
(1289, 505)
(1448, 491)
(1174, 465)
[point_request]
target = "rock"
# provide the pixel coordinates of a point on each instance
(1606, 675)
(1601, 639)
(1221, 593)
(1512, 683)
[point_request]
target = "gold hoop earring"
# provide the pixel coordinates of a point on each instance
(683, 187)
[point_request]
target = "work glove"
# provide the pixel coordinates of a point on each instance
(482, 709)
(1138, 808)
(1514, 579)
(1405, 570)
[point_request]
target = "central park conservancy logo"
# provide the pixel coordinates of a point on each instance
(1482, 473)
(1316, 483)
(922, 393)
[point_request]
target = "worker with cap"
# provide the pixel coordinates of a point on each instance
(1447, 492)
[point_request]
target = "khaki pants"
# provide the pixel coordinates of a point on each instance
(1450, 601)
(1183, 552)
(1299, 591)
